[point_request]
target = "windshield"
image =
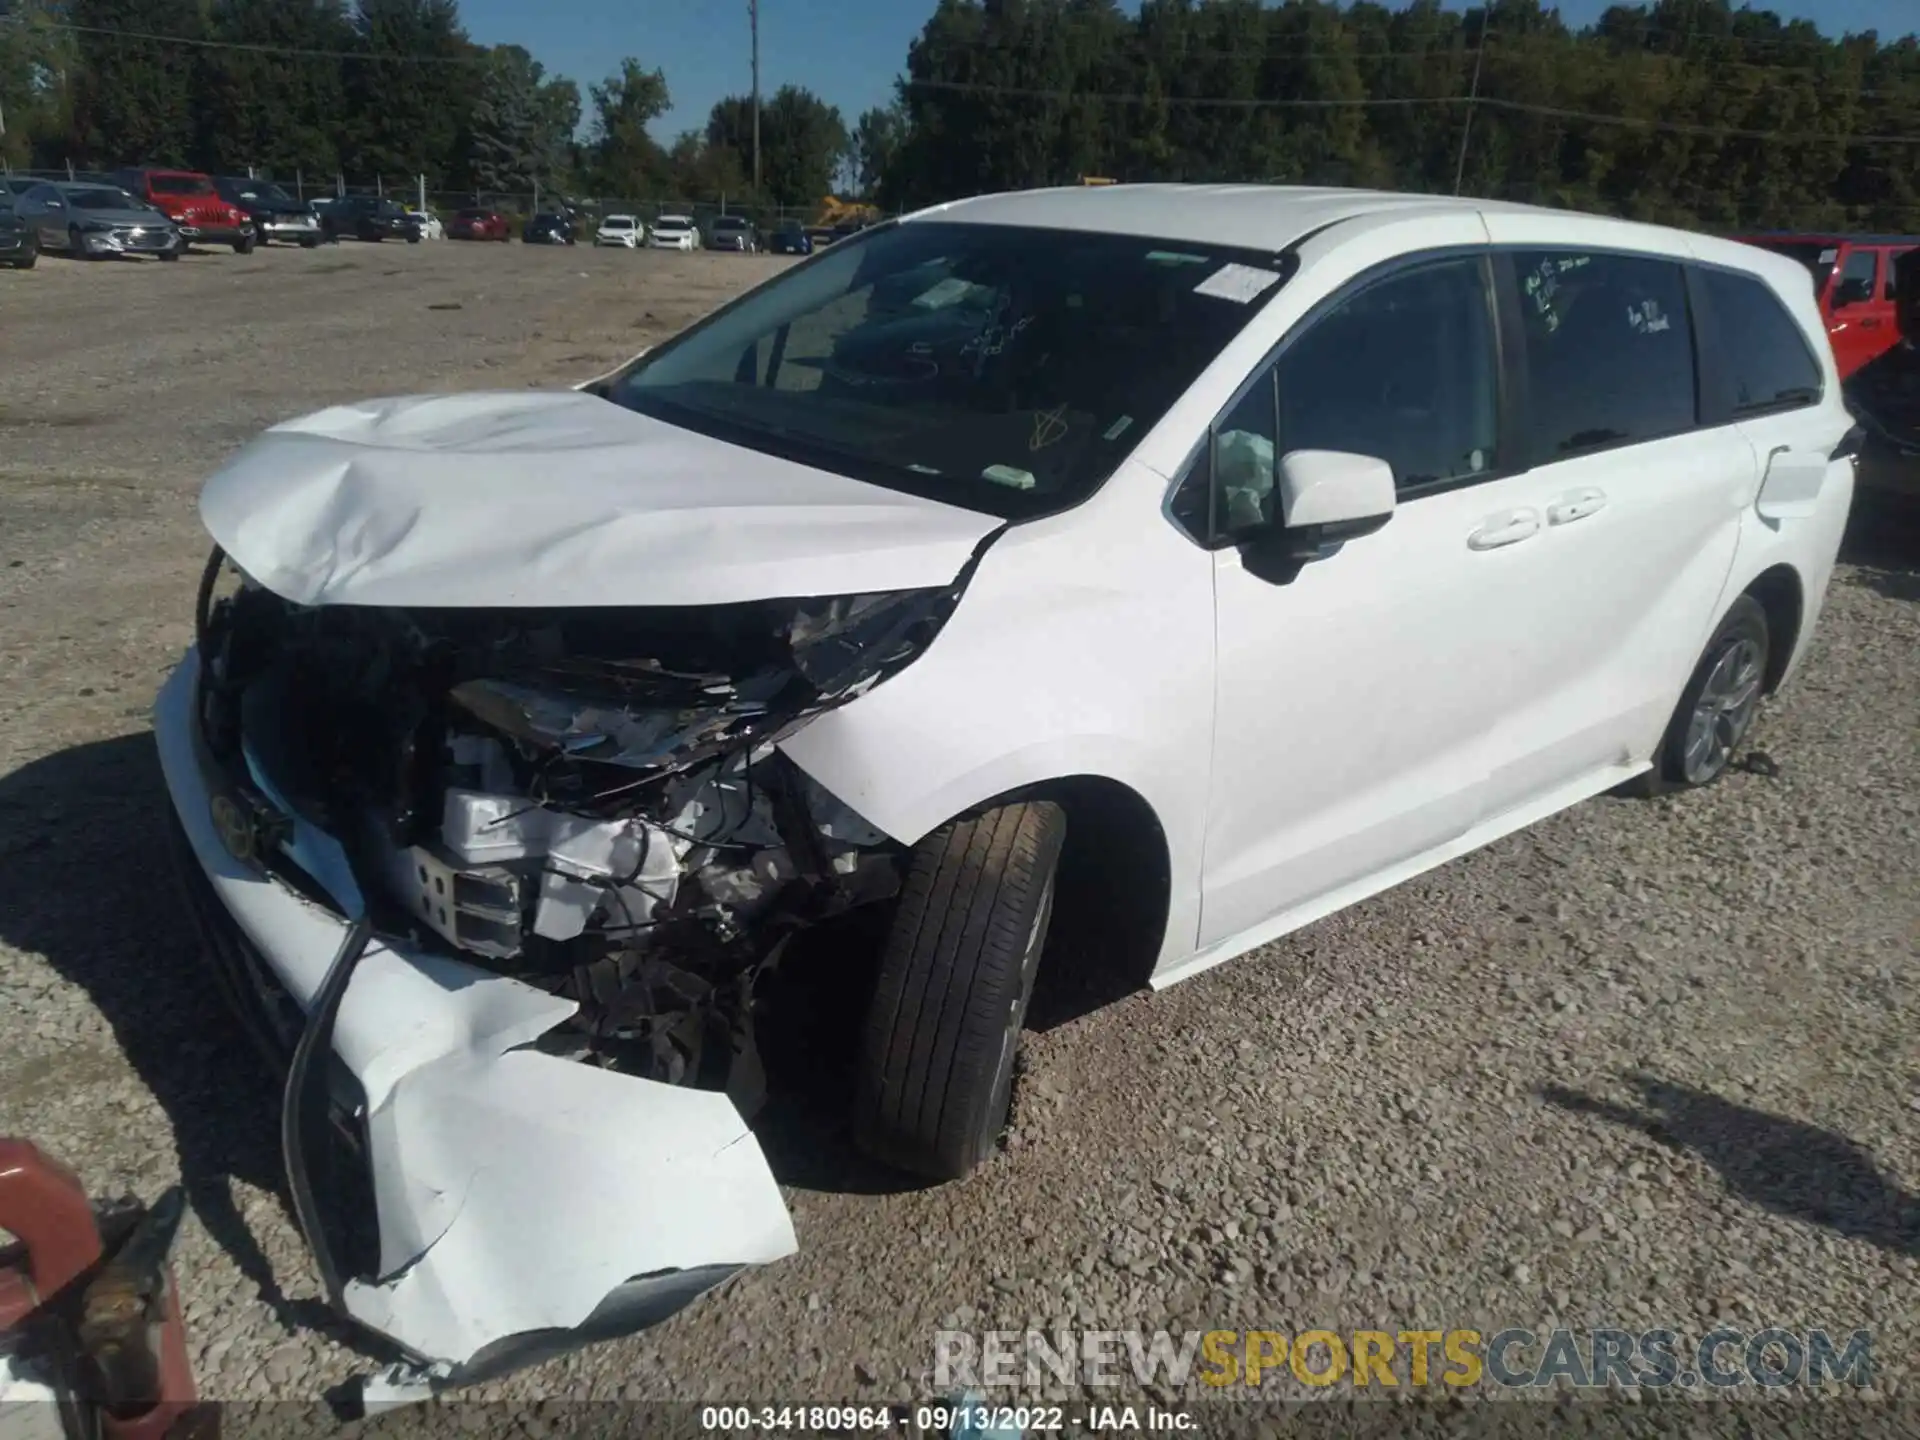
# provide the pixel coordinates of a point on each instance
(181, 185)
(1005, 369)
(1817, 255)
(270, 194)
(618, 222)
(729, 222)
(672, 222)
(103, 200)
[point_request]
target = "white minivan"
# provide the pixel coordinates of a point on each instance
(1171, 565)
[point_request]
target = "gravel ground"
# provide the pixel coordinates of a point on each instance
(1646, 1064)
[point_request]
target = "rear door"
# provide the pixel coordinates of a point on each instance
(1638, 510)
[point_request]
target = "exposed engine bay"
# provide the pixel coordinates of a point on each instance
(590, 801)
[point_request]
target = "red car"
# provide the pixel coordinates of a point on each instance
(189, 199)
(1853, 278)
(479, 225)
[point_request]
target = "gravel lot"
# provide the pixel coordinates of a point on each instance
(1649, 1063)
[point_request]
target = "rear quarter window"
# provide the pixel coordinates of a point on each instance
(1758, 359)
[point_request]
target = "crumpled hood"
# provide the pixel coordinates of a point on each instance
(555, 499)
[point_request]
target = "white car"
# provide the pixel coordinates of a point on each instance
(674, 232)
(431, 226)
(620, 230)
(1151, 570)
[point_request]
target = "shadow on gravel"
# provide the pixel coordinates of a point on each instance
(1786, 1166)
(85, 880)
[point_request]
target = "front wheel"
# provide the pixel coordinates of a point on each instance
(244, 245)
(169, 254)
(1717, 709)
(78, 247)
(309, 242)
(956, 972)
(29, 255)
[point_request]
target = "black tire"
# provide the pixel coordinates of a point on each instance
(169, 254)
(1744, 625)
(243, 246)
(76, 248)
(937, 1055)
(309, 242)
(29, 255)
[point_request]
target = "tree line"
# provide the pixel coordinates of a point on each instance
(1681, 111)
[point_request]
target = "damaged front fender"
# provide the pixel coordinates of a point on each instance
(524, 1202)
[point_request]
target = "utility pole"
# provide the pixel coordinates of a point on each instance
(1473, 97)
(753, 23)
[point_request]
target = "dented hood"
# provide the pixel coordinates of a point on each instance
(554, 499)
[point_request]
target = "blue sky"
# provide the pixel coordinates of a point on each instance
(847, 51)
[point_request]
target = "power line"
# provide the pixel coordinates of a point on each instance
(250, 47)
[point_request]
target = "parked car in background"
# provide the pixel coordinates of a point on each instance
(820, 236)
(478, 224)
(431, 226)
(91, 222)
(106, 220)
(365, 217)
(190, 200)
(848, 227)
(790, 238)
(674, 232)
(549, 228)
(621, 230)
(275, 214)
(19, 242)
(1854, 281)
(733, 232)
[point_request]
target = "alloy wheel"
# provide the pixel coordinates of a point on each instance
(1724, 712)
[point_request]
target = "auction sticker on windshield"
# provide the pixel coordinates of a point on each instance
(1236, 282)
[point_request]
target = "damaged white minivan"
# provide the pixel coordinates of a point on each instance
(1234, 552)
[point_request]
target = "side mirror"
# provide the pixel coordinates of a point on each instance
(1852, 292)
(1326, 498)
(1335, 493)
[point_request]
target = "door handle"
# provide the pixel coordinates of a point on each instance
(1576, 505)
(1506, 528)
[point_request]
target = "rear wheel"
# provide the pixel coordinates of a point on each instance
(1717, 709)
(956, 973)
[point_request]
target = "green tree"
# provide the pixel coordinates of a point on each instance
(521, 124)
(802, 140)
(132, 99)
(876, 143)
(627, 161)
(279, 113)
(410, 90)
(36, 61)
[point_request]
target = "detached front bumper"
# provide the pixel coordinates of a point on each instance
(525, 1204)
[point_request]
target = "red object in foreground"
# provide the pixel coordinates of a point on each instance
(124, 1322)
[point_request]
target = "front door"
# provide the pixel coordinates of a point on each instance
(1858, 323)
(1354, 698)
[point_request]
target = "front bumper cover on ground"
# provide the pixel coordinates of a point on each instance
(525, 1204)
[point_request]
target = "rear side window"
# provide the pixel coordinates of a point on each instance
(1890, 274)
(1609, 351)
(1760, 358)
